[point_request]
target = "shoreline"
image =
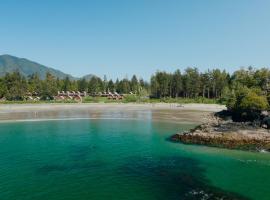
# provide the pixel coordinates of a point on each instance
(89, 118)
(184, 113)
(211, 130)
(52, 106)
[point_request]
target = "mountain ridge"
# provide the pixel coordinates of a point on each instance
(26, 67)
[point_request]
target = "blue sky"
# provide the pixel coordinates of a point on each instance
(124, 37)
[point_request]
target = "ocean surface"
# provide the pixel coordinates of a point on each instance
(107, 159)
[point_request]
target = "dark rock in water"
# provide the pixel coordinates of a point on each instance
(227, 134)
(203, 195)
(223, 142)
(266, 122)
(175, 177)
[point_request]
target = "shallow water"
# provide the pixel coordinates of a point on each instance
(121, 159)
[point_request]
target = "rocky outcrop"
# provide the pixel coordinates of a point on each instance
(226, 134)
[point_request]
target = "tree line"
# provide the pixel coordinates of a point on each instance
(14, 86)
(210, 84)
(246, 92)
(189, 83)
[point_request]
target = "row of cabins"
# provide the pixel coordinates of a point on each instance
(32, 96)
(77, 96)
(114, 96)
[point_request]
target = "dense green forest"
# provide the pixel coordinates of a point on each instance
(245, 88)
(246, 92)
(14, 86)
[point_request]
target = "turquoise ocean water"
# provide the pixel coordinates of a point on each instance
(121, 159)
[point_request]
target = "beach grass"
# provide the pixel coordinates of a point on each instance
(126, 99)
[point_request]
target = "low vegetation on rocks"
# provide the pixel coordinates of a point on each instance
(218, 132)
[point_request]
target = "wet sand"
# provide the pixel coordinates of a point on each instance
(184, 113)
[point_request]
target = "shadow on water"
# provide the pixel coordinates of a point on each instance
(79, 153)
(176, 178)
(77, 161)
(170, 177)
(78, 167)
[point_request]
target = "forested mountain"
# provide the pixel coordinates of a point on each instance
(27, 67)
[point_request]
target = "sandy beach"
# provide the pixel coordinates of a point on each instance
(191, 113)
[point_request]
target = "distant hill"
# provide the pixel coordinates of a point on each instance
(88, 77)
(27, 67)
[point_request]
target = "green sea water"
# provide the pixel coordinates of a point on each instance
(121, 159)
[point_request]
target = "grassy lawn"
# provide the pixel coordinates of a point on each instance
(127, 99)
